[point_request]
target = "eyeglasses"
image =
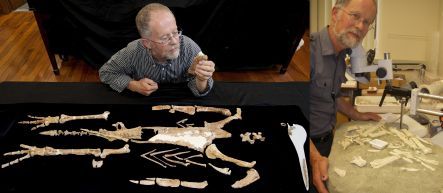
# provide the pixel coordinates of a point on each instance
(357, 18)
(166, 39)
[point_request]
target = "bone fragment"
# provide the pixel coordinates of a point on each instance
(195, 163)
(161, 107)
(97, 164)
(340, 172)
(223, 111)
(225, 171)
(166, 182)
(251, 176)
(409, 169)
(65, 118)
(199, 57)
(196, 185)
(378, 163)
(212, 153)
(122, 150)
(359, 161)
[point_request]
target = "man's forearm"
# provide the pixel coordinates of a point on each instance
(313, 152)
(346, 108)
(201, 85)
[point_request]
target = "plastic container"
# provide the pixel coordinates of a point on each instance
(370, 104)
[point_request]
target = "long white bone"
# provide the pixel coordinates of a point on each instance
(212, 153)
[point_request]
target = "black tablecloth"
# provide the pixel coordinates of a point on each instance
(223, 93)
(266, 108)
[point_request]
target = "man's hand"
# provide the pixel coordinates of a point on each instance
(143, 86)
(204, 70)
(320, 173)
(319, 165)
(368, 117)
(346, 108)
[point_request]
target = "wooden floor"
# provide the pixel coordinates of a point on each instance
(23, 58)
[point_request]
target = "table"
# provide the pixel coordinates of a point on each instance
(264, 107)
(388, 178)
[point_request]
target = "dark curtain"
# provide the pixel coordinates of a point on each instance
(235, 34)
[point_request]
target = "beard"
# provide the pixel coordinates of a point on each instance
(350, 41)
(173, 53)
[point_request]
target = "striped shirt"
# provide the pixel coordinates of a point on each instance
(135, 62)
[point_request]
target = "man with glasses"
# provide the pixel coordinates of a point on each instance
(161, 55)
(350, 21)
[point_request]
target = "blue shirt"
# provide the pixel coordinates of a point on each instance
(327, 73)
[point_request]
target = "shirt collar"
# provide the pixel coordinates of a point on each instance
(326, 44)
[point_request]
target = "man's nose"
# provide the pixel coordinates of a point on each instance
(174, 41)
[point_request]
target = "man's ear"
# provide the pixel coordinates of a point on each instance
(334, 13)
(146, 43)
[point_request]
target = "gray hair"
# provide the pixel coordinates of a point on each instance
(343, 3)
(144, 17)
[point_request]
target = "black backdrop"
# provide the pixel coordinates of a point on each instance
(236, 34)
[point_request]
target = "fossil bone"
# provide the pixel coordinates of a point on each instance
(147, 181)
(409, 169)
(45, 121)
(223, 111)
(172, 108)
(196, 185)
(404, 138)
(225, 171)
(63, 133)
(255, 136)
(49, 151)
(251, 176)
(169, 157)
(97, 164)
(378, 163)
(191, 110)
(212, 153)
(199, 57)
(359, 161)
(166, 182)
(340, 172)
(192, 137)
(122, 150)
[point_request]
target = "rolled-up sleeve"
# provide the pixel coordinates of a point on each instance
(193, 87)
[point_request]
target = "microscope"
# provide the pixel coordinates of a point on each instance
(362, 64)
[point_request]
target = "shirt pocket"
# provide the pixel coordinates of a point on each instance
(321, 89)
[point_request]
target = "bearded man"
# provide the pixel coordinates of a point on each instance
(350, 21)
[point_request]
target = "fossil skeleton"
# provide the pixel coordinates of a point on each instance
(197, 138)
(193, 137)
(32, 151)
(45, 121)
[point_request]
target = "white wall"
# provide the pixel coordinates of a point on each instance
(408, 29)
